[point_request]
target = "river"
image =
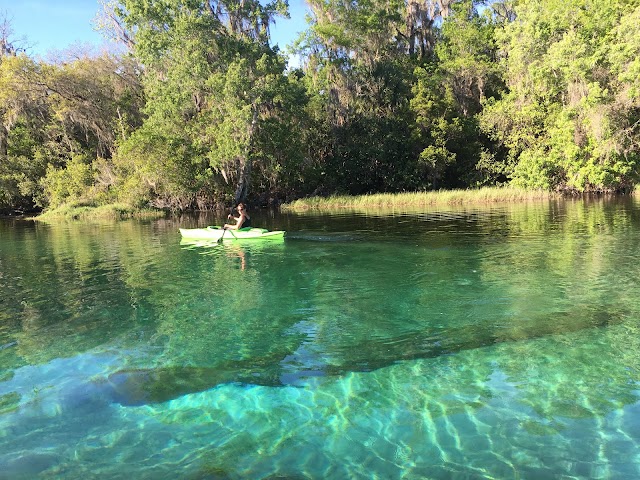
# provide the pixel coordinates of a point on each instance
(463, 342)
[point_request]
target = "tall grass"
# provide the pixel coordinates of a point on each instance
(114, 211)
(418, 199)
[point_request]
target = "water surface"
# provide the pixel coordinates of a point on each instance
(473, 343)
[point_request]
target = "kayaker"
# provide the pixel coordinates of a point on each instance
(243, 220)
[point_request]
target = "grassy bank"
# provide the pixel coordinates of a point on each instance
(115, 211)
(418, 199)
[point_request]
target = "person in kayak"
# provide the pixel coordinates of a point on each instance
(243, 220)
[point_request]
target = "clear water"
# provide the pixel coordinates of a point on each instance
(460, 343)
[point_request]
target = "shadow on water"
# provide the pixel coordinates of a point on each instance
(147, 386)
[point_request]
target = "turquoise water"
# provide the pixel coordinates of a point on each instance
(455, 343)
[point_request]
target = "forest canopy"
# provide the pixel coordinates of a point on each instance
(200, 109)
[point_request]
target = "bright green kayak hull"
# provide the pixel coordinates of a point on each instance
(214, 233)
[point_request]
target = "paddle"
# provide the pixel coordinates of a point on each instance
(223, 231)
(221, 236)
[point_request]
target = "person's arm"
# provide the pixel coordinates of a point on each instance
(239, 221)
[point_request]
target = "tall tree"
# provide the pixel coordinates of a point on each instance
(212, 83)
(359, 76)
(52, 113)
(23, 116)
(564, 112)
(448, 97)
(95, 103)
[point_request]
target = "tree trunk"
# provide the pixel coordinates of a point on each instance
(245, 175)
(4, 138)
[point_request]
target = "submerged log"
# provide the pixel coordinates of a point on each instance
(147, 386)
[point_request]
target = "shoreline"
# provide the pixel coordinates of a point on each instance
(444, 198)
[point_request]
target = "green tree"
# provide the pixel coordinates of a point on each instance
(213, 87)
(359, 78)
(53, 113)
(23, 115)
(448, 97)
(563, 116)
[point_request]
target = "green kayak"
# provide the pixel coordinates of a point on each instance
(215, 233)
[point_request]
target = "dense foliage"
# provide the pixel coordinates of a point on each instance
(393, 95)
